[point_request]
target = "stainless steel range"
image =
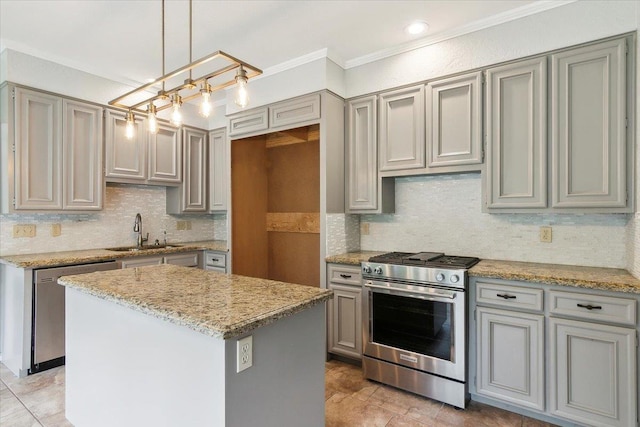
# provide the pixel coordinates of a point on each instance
(415, 323)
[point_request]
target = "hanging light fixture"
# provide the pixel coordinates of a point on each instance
(130, 129)
(205, 104)
(234, 72)
(151, 117)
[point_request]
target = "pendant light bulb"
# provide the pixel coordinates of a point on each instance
(176, 114)
(153, 120)
(130, 130)
(205, 106)
(242, 95)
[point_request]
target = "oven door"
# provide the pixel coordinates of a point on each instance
(420, 327)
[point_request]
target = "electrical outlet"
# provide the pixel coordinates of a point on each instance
(187, 225)
(545, 234)
(24, 230)
(56, 230)
(245, 353)
(364, 228)
(181, 225)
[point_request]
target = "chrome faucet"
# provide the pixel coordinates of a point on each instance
(137, 227)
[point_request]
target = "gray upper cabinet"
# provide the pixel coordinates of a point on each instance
(58, 154)
(218, 170)
(366, 192)
(454, 121)
(126, 159)
(82, 156)
(295, 111)
(588, 138)
(165, 155)
(249, 121)
(516, 174)
(38, 150)
(191, 195)
(402, 132)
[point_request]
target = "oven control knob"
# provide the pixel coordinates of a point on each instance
(366, 269)
(378, 270)
(439, 277)
(454, 278)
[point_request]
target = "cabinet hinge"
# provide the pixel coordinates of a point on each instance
(13, 147)
(13, 93)
(474, 314)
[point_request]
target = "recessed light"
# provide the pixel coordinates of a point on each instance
(416, 27)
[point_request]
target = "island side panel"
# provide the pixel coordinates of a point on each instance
(285, 385)
(126, 368)
(15, 318)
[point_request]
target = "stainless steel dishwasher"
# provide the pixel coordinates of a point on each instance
(47, 323)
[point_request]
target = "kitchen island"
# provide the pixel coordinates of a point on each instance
(159, 346)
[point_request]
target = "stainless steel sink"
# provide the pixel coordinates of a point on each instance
(142, 248)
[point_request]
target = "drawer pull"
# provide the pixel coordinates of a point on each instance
(215, 259)
(345, 276)
(506, 296)
(590, 307)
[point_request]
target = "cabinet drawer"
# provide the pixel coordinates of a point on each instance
(140, 262)
(218, 269)
(593, 307)
(509, 296)
(250, 122)
(295, 111)
(186, 260)
(345, 274)
(214, 259)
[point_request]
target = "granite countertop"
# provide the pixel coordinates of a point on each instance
(216, 304)
(606, 279)
(352, 258)
(54, 259)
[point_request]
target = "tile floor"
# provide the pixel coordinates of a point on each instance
(351, 401)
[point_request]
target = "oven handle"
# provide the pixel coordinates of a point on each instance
(441, 294)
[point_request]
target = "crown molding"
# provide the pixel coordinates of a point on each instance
(510, 15)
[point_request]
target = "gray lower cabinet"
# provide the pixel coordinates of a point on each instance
(454, 122)
(218, 170)
(191, 195)
(401, 137)
(186, 259)
(589, 375)
(215, 261)
(57, 154)
(366, 192)
(588, 126)
(344, 319)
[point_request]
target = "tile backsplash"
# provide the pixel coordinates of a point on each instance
(110, 227)
(443, 213)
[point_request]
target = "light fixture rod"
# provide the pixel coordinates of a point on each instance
(190, 36)
(163, 59)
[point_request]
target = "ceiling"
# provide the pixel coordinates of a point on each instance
(121, 40)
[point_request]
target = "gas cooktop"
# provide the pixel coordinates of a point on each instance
(425, 259)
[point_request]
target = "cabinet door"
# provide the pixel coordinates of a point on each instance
(295, 111)
(510, 356)
(362, 155)
(454, 113)
(38, 150)
(82, 158)
(165, 155)
(345, 314)
(402, 141)
(588, 127)
(125, 158)
(593, 373)
(248, 122)
(218, 170)
(185, 260)
(194, 185)
(516, 135)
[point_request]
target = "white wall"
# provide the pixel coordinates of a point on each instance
(111, 227)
